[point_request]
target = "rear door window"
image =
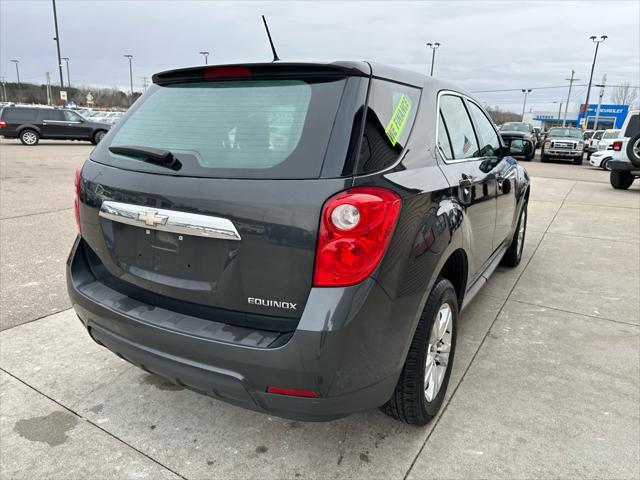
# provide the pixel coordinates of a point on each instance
(459, 126)
(271, 128)
(391, 111)
(51, 114)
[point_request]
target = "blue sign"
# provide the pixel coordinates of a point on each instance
(611, 116)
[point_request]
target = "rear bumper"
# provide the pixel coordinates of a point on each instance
(349, 347)
(622, 165)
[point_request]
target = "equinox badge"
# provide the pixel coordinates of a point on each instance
(271, 303)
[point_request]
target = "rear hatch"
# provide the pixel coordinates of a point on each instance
(205, 198)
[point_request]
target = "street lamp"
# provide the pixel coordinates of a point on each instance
(130, 57)
(18, 75)
(66, 59)
(205, 54)
(597, 41)
(526, 92)
(433, 47)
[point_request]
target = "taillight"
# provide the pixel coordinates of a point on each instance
(3, 124)
(617, 145)
(76, 201)
(355, 229)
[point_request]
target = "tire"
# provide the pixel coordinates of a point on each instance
(98, 136)
(578, 160)
(29, 137)
(416, 401)
(605, 164)
(544, 158)
(620, 180)
(633, 149)
(513, 254)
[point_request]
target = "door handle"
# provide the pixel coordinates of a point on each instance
(465, 181)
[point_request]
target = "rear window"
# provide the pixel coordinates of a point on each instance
(18, 115)
(234, 129)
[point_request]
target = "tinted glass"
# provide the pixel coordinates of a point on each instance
(490, 145)
(390, 114)
(458, 124)
(17, 115)
(598, 135)
(515, 127)
(56, 115)
(443, 139)
(633, 126)
(565, 132)
(235, 129)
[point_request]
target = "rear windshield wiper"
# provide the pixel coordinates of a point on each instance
(157, 156)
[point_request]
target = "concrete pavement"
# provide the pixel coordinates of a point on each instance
(546, 380)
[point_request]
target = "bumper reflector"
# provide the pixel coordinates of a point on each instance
(292, 392)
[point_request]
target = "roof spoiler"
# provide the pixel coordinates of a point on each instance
(258, 70)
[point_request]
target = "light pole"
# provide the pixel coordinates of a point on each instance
(559, 111)
(18, 75)
(433, 47)
(57, 39)
(205, 54)
(66, 59)
(130, 57)
(597, 41)
(526, 92)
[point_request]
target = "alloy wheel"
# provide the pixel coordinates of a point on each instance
(438, 351)
(29, 138)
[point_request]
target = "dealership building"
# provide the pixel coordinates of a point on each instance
(610, 116)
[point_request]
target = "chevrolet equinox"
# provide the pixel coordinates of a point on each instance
(295, 238)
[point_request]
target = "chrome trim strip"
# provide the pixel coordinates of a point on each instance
(182, 223)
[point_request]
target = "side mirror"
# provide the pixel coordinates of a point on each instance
(519, 148)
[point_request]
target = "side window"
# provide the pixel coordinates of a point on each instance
(391, 111)
(490, 144)
(461, 134)
(71, 116)
(443, 139)
(633, 126)
(51, 114)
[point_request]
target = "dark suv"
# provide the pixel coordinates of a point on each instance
(30, 124)
(298, 239)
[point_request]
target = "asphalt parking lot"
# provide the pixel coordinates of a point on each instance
(546, 381)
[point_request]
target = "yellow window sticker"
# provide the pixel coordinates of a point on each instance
(398, 119)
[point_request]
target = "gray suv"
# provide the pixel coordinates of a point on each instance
(295, 238)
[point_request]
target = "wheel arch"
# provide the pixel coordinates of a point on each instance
(22, 128)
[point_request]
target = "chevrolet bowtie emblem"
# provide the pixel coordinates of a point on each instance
(152, 218)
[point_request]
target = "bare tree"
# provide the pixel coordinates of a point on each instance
(624, 94)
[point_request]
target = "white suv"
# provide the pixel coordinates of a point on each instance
(604, 149)
(625, 164)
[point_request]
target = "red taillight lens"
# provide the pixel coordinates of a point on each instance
(292, 392)
(617, 145)
(3, 124)
(355, 228)
(227, 72)
(76, 201)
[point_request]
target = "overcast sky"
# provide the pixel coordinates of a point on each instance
(485, 45)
